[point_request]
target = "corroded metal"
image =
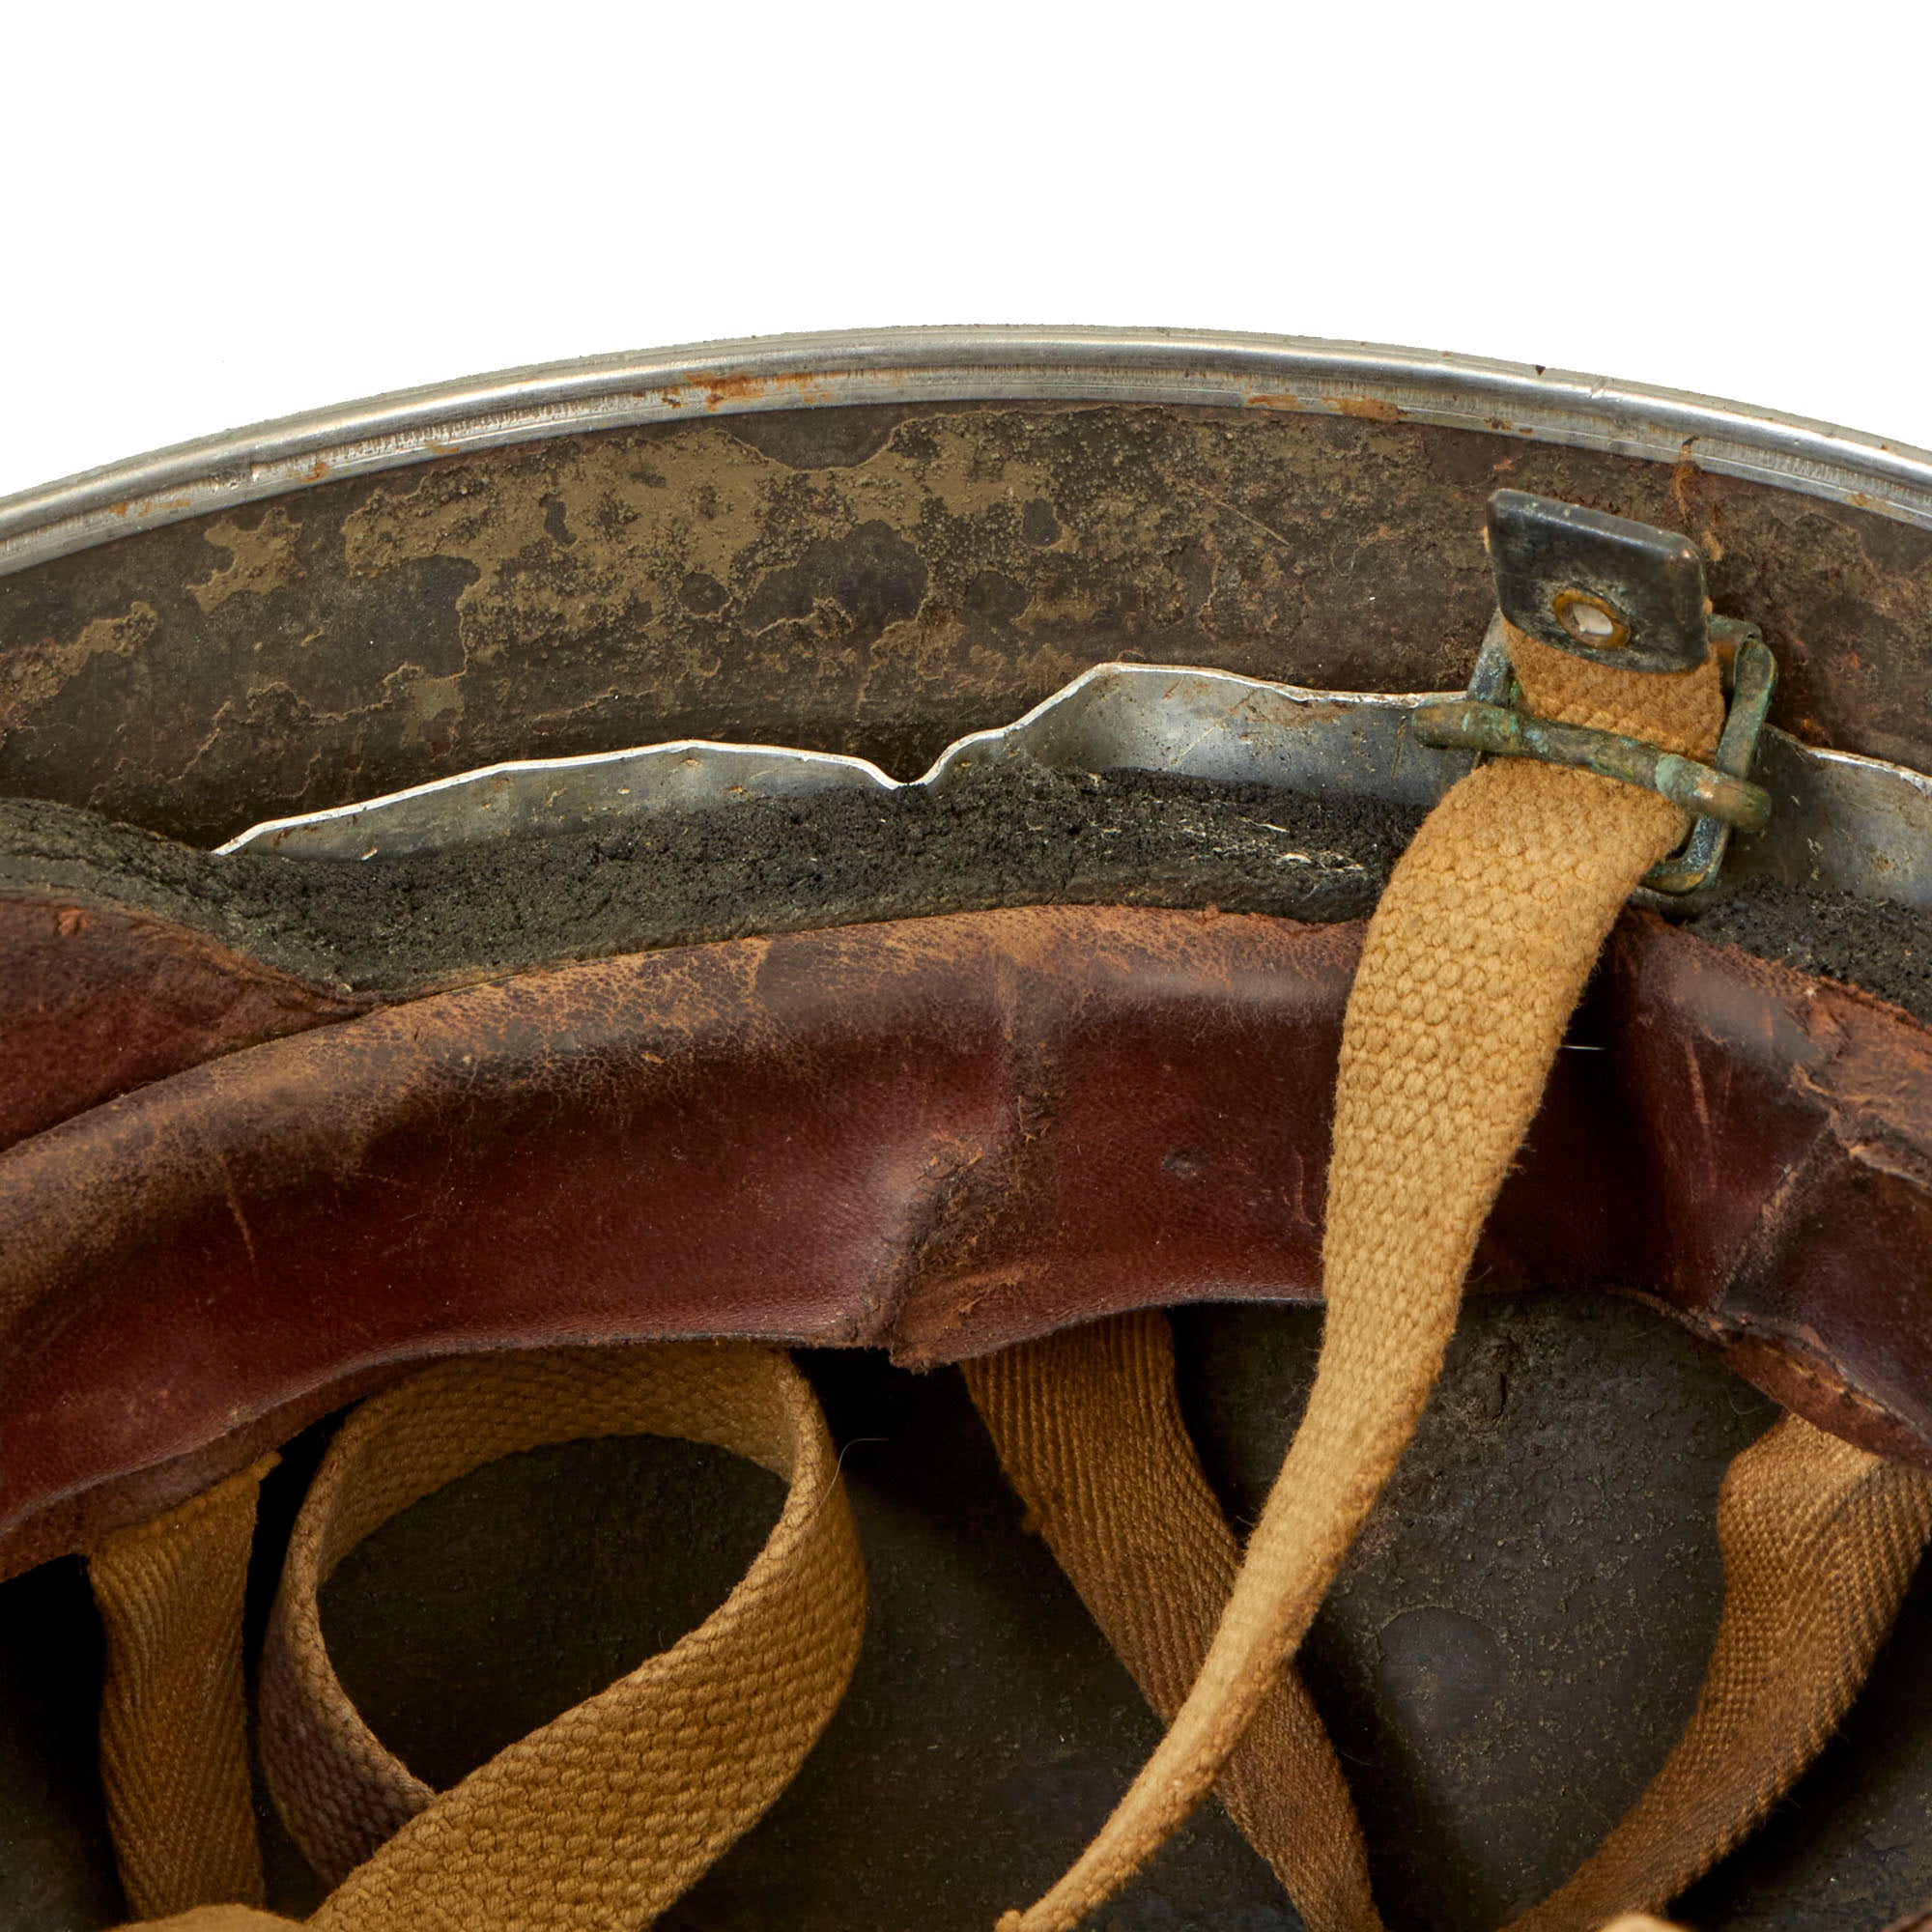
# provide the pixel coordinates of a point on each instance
(300, 627)
(1750, 677)
(1613, 591)
(873, 584)
(1462, 725)
(898, 366)
(1605, 588)
(1488, 720)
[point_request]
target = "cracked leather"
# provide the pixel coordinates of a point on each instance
(936, 1136)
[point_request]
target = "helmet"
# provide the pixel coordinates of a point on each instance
(571, 945)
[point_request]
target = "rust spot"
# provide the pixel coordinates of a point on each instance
(1682, 473)
(801, 386)
(731, 388)
(1370, 408)
(1276, 403)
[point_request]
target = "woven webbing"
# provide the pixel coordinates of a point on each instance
(1820, 1541)
(604, 1816)
(600, 1819)
(1090, 1435)
(173, 1753)
(1473, 961)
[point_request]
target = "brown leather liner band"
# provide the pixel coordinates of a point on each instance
(936, 1136)
(95, 1000)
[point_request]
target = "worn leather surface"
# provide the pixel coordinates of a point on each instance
(935, 1136)
(95, 1001)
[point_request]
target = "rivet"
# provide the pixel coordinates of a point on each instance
(1592, 620)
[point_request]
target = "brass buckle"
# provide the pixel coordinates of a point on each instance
(1490, 721)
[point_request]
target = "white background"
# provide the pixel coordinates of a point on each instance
(215, 215)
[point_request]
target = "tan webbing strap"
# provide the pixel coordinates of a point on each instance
(1820, 1541)
(603, 1817)
(1472, 964)
(1090, 1433)
(174, 1751)
(600, 1819)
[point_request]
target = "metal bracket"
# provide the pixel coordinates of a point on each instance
(1490, 721)
(1621, 593)
(1600, 588)
(1750, 675)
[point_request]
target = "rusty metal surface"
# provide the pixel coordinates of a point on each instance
(1363, 380)
(874, 582)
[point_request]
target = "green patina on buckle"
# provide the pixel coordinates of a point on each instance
(1490, 722)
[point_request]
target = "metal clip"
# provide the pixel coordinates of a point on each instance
(1600, 588)
(1615, 592)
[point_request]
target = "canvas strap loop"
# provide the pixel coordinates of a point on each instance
(601, 1818)
(1820, 1541)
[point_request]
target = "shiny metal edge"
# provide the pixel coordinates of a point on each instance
(1197, 722)
(1840, 823)
(525, 796)
(1214, 369)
